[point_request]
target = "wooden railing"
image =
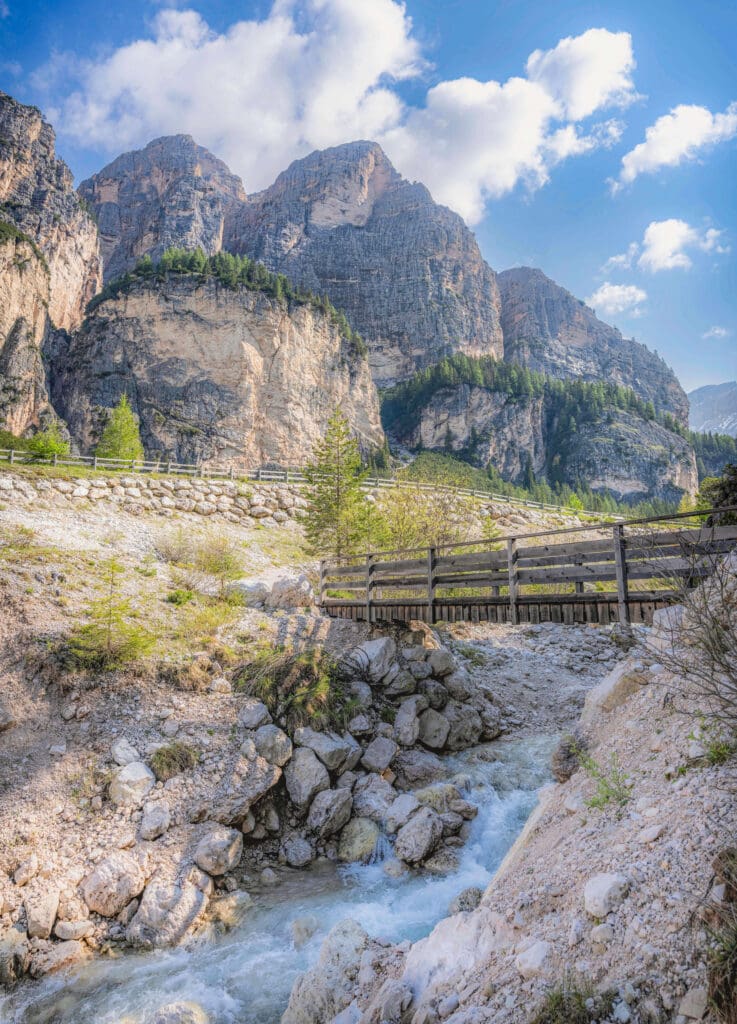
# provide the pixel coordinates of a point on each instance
(623, 573)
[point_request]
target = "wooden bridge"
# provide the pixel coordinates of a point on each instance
(620, 572)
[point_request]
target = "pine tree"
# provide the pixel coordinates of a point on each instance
(121, 438)
(333, 519)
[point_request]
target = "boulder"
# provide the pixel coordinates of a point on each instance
(668, 622)
(226, 912)
(26, 871)
(41, 911)
(613, 690)
(15, 955)
(439, 796)
(330, 811)
(293, 591)
(416, 768)
(219, 851)
(245, 782)
(401, 685)
(73, 930)
(361, 694)
(327, 988)
(458, 684)
(419, 837)
(406, 722)
(466, 900)
(603, 893)
(252, 593)
(298, 852)
(435, 692)
(358, 840)
(115, 882)
(181, 1013)
(360, 725)
(379, 754)
(333, 750)
(167, 912)
(305, 777)
(253, 714)
(123, 752)
(57, 957)
(400, 812)
(441, 662)
(465, 726)
(373, 658)
(273, 744)
(372, 797)
(131, 784)
(531, 962)
(434, 729)
(155, 821)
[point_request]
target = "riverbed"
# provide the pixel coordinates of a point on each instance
(246, 976)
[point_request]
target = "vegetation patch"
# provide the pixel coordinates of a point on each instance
(173, 759)
(573, 1002)
(307, 688)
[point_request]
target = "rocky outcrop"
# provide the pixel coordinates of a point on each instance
(37, 196)
(172, 192)
(230, 377)
(547, 329)
(617, 451)
(24, 327)
(407, 272)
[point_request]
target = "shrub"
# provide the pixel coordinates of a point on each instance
(109, 639)
(573, 1002)
(48, 442)
(218, 556)
(179, 596)
(173, 759)
(611, 783)
(307, 688)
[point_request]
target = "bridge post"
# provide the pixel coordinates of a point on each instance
(512, 557)
(369, 584)
(620, 561)
(431, 584)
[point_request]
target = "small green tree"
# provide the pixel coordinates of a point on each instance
(109, 639)
(48, 442)
(121, 438)
(333, 519)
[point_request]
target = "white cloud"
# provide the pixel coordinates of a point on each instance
(587, 72)
(324, 72)
(716, 333)
(675, 138)
(4, 10)
(665, 242)
(664, 246)
(611, 299)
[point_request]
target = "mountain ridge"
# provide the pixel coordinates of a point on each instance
(714, 408)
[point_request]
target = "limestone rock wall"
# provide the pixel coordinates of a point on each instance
(233, 378)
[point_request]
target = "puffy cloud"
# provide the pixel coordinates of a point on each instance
(675, 138)
(664, 246)
(324, 72)
(611, 299)
(587, 72)
(4, 10)
(665, 243)
(716, 333)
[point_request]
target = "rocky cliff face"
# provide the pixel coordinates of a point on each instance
(229, 377)
(620, 452)
(549, 330)
(24, 326)
(714, 408)
(173, 192)
(407, 273)
(37, 196)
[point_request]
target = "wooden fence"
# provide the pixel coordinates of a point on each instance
(623, 573)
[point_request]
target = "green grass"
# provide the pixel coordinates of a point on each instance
(573, 1002)
(173, 759)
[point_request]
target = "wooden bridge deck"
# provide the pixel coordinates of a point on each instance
(622, 574)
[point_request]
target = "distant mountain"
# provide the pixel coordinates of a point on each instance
(714, 409)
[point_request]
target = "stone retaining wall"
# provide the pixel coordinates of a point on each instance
(268, 504)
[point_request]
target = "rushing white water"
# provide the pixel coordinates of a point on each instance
(247, 975)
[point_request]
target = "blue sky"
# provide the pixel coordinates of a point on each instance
(595, 140)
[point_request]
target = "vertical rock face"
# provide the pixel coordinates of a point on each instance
(37, 196)
(232, 377)
(173, 192)
(407, 273)
(549, 330)
(24, 325)
(714, 408)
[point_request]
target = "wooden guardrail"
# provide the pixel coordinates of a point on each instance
(623, 573)
(288, 476)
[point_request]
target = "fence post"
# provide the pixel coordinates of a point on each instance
(322, 582)
(620, 561)
(94, 462)
(431, 584)
(512, 557)
(369, 584)
(11, 460)
(56, 458)
(168, 466)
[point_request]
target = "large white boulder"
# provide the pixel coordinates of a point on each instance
(115, 882)
(373, 658)
(330, 811)
(419, 837)
(131, 784)
(333, 750)
(305, 776)
(219, 851)
(291, 592)
(167, 912)
(273, 744)
(604, 892)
